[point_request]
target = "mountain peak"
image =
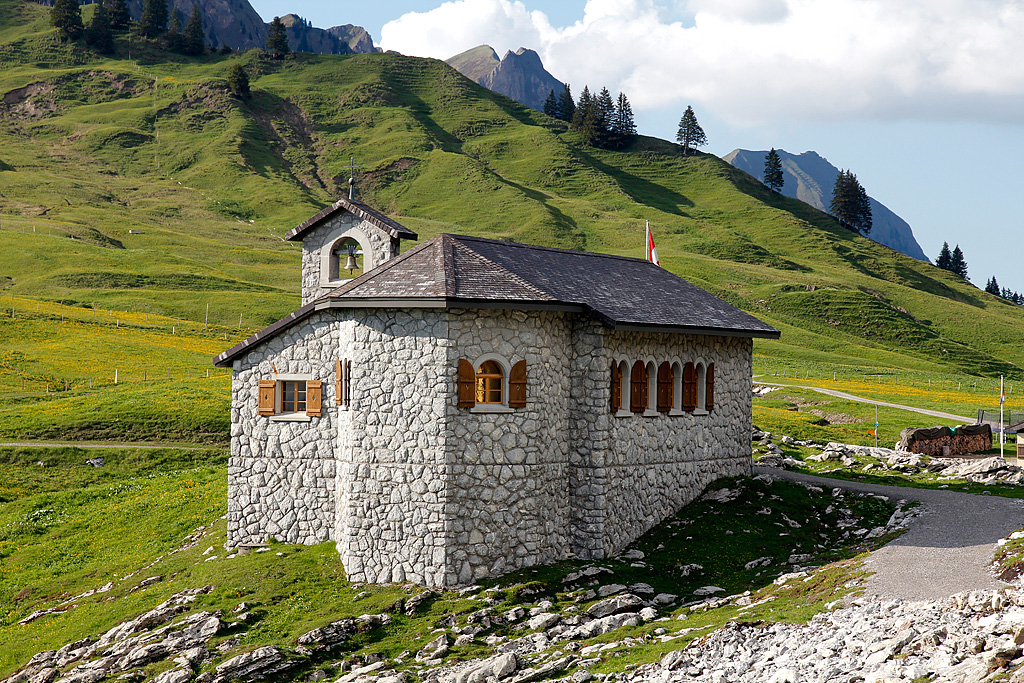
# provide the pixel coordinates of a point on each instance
(520, 75)
(810, 178)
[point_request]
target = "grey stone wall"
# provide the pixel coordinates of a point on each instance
(378, 247)
(631, 472)
(281, 475)
(413, 488)
(393, 477)
(509, 480)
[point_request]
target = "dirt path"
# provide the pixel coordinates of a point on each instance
(946, 550)
(861, 399)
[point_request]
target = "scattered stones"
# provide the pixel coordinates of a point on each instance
(415, 601)
(259, 663)
(614, 605)
(95, 462)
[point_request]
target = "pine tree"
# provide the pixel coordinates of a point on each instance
(120, 17)
(587, 119)
(238, 80)
(992, 287)
(66, 17)
(277, 39)
(566, 105)
(690, 134)
(850, 203)
(945, 257)
(623, 128)
(958, 264)
(175, 41)
(154, 18)
(551, 105)
(193, 38)
(773, 177)
(605, 110)
(99, 34)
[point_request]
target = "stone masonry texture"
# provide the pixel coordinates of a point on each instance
(411, 487)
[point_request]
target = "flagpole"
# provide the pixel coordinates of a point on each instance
(1002, 398)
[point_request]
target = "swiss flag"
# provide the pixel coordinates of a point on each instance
(652, 251)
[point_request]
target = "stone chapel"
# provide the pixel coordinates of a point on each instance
(475, 406)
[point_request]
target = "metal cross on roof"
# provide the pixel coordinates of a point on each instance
(352, 177)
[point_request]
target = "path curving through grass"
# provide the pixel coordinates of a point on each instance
(860, 399)
(947, 550)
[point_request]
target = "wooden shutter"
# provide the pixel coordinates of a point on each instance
(268, 396)
(616, 387)
(342, 382)
(665, 382)
(638, 387)
(314, 398)
(689, 387)
(339, 382)
(467, 384)
(709, 388)
(517, 385)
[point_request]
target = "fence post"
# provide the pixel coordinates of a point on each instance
(115, 375)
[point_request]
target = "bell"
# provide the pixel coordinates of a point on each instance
(350, 263)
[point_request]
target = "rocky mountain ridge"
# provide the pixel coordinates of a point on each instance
(519, 75)
(810, 177)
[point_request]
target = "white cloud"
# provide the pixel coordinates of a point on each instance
(759, 61)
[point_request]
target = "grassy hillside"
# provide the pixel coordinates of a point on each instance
(144, 185)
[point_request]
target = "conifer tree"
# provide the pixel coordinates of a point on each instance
(623, 124)
(154, 18)
(175, 41)
(193, 43)
(277, 39)
(551, 105)
(958, 264)
(945, 257)
(690, 134)
(587, 119)
(566, 105)
(773, 177)
(238, 80)
(66, 17)
(99, 34)
(605, 110)
(992, 287)
(850, 203)
(120, 17)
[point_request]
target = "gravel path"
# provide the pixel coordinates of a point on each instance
(861, 399)
(946, 550)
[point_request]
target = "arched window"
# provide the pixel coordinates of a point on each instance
(701, 386)
(652, 388)
(490, 383)
(677, 387)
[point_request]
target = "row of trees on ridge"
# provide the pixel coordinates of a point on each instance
(953, 261)
(601, 121)
(112, 16)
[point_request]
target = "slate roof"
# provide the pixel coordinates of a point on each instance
(455, 271)
(359, 209)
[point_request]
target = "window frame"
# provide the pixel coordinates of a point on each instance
(700, 367)
(505, 365)
(294, 415)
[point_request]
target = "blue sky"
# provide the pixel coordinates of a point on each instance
(922, 99)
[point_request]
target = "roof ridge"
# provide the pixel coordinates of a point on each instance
(539, 247)
(518, 279)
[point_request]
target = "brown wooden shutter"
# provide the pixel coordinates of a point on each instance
(709, 388)
(616, 387)
(348, 383)
(638, 387)
(689, 387)
(314, 398)
(267, 397)
(467, 384)
(339, 383)
(517, 385)
(665, 381)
